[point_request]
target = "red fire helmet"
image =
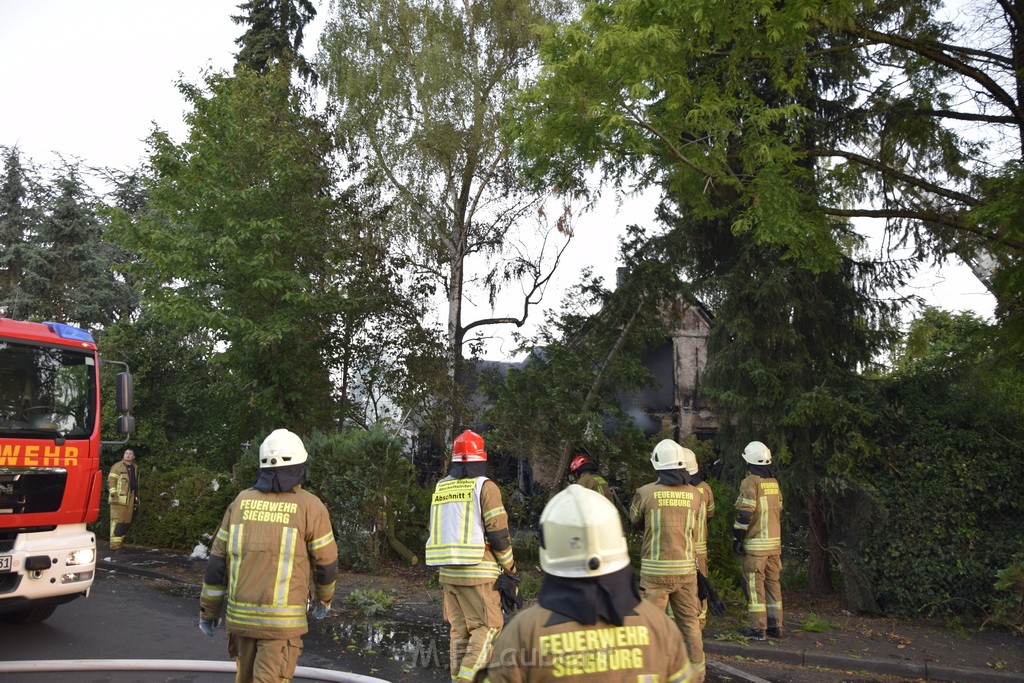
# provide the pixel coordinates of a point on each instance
(469, 447)
(578, 462)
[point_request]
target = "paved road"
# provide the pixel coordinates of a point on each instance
(125, 617)
(136, 617)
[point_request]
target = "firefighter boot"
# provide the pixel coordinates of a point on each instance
(751, 633)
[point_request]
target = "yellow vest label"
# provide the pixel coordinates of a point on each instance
(455, 491)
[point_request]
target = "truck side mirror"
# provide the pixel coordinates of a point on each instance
(124, 395)
(125, 424)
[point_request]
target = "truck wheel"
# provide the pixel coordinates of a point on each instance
(30, 616)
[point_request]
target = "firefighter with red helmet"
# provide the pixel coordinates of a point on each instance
(583, 471)
(758, 538)
(469, 541)
(667, 511)
(274, 541)
(590, 623)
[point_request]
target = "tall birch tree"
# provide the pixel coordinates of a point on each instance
(420, 87)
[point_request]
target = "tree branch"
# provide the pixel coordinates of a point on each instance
(936, 52)
(891, 172)
(927, 217)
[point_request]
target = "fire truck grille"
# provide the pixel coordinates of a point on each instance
(28, 492)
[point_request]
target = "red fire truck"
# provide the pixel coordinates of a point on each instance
(51, 484)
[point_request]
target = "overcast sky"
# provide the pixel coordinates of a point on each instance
(88, 79)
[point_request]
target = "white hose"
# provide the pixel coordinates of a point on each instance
(171, 665)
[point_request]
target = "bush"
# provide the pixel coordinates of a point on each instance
(1008, 603)
(178, 507)
(363, 477)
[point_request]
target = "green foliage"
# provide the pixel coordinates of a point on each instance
(179, 507)
(529, 584)
(419, 88)
(526, 549)
(243, 240)
(815, 624)
(186, 405)
(1008, 602)
(569, 390)
(947, 474)
(370, 602)
(274, 35)
(361, 476)
(56, 262)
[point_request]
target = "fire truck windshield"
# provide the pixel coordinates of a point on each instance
(46, 390)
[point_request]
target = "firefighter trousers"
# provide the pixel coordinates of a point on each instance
(764, 592)
(681, 593)
(260, 660)
(702, 565)
(474, 616)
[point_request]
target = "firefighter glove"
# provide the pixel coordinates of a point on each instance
(508, 586)
(207, 626)
(705, 591)
(321, 609)
(737, 546)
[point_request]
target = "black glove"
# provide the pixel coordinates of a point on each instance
(737, 546)
(508, 586)
(705, 591)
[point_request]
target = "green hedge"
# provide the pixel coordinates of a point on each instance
(179, 508)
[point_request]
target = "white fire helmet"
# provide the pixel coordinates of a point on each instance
(668, 455)
(581, 535)
(756, 453)
(281, 449)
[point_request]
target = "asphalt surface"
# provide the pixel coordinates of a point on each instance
(789, 659)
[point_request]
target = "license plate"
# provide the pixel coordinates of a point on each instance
(5, 563)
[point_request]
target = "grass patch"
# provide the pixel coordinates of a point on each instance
(529, 585)
(815, 624)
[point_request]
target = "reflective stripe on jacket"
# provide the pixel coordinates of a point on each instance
(456, 523)
(595, 482)
(759, 514)
(669, 518)
(485, 516)
(119, 484)
(539, 646)
(707, 511)
(267, 549)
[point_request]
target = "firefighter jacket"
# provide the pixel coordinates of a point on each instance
(267, 549)
(759, 515)
(469, 538)
(122, 496)
(707, 511)
(540, 645)
(595, 482)
(668, 516)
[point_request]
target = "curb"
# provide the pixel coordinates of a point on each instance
(921, 669)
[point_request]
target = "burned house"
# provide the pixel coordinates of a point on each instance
(676, 405)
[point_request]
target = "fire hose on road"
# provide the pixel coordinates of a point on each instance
(197, 666)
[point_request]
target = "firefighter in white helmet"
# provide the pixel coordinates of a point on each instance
(589, 623)
(470, 542)
(667, 511)
(758, 538)
(707, 511)
(278, 538)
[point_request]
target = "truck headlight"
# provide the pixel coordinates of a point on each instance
(80, 557)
